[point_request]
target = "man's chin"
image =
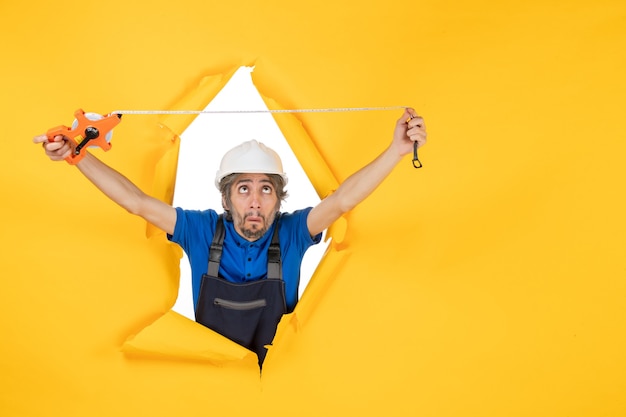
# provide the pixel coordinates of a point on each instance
(254, 232)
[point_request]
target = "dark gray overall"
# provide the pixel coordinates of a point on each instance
(246, 313)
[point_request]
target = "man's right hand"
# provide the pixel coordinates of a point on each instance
(58, 150)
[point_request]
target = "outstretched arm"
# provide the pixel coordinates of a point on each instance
(363, 182)
(114, 185)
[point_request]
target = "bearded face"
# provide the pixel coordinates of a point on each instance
(253, 204)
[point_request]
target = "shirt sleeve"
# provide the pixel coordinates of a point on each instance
(193, 228)
(296, 227)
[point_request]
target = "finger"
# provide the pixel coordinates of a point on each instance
(406, 116)
(59, 157)
(40, 139)
(416, 121)
(55, 146)
(415, 133)
(419, 138)
(413, 130)
(409, 113)
(58, 154)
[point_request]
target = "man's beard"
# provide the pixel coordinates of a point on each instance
(256, 230)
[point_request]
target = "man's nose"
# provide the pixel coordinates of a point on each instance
(255, 201)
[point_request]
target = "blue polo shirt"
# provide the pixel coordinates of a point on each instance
(243, 261)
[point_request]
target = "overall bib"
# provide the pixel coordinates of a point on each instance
(246, 313)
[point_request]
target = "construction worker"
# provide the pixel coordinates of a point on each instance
(246, 262)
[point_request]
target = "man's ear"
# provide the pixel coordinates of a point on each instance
(224, 203)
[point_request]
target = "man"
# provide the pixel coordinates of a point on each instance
(246, 263)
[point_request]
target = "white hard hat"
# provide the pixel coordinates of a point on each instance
(250, 157)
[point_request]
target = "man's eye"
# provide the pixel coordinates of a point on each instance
(267, 190)
(243, 189)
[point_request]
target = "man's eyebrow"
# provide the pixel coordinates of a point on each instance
(264, 180)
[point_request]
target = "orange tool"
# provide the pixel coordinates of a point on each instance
(86, 132)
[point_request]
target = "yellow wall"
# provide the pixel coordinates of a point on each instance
(489, 283)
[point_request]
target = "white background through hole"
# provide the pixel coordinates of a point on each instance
(204, 143)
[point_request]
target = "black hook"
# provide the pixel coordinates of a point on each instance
(415, 159)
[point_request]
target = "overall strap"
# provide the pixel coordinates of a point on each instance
(274, 263)
(215, 253)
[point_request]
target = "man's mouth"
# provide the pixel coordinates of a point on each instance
(254, 218)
